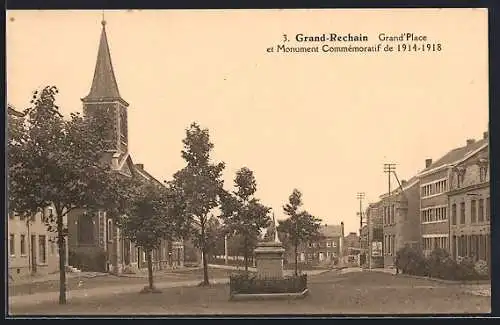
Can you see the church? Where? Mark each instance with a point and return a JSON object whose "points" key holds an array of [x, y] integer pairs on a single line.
{"points": [[94, 242]]}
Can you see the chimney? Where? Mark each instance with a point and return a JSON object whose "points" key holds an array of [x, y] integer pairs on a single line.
{"points": [[470, 141], [140, 166], [403, 182], [428, 163], [485, 135]]}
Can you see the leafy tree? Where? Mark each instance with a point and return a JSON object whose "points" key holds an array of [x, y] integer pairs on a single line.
{"points": [[56, 162], [300, 226], [243, 214], [200, 186], [151, 218]]}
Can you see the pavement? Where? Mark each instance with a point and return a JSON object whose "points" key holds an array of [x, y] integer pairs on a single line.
{"points": [[38, 298], [353, 292]]}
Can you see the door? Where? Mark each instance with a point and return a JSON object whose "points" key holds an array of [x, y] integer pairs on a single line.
{"points": [[33, 253]]}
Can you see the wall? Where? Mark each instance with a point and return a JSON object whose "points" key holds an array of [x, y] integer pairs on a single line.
{"points": [[20, 264]]}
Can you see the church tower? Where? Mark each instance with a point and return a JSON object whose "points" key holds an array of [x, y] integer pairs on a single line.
{"points": [[105, 97]]}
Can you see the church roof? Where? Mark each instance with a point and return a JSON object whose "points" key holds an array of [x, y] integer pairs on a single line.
{"points": [[104, 85]]}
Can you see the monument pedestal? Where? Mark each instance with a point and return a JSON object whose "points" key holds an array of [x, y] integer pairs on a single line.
{"points": [[269, 259]]}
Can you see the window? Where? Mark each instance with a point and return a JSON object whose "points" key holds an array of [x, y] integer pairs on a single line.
{"points": [[309, 245], [473, 211], [487, 214], [85, 229], [23, 245], [328, 244], [462, 213], [334, 244], [42, 249], [52, 247], [314, 245], [12, 245], [483, 172], [480, 214], [454, 214], [110, 231]]}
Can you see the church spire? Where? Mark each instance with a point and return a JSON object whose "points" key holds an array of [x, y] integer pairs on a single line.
{"points": [[104, 86]]}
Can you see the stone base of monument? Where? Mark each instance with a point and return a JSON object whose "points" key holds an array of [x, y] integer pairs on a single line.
{"points": [[268, 282]]}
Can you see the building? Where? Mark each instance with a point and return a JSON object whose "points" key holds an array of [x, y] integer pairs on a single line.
{"points": [[401, 219], [32, 249], [469, 204], [375, 227], [94, 237], [327, 250], [351, 249], [434, 185]]}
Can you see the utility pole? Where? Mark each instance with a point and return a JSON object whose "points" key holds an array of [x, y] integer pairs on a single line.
{"points": [[360, 196], [389, 168], [369, 241]]}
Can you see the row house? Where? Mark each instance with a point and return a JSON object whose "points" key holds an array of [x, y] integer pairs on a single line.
{"points": [[401, 219], [469, 205], [434, 201], [326, 250], [96, 235], [31, 247]]}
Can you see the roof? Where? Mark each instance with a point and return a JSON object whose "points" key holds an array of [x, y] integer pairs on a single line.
{"points": [[456, 154], [331, 230], [409, 184], [12, 111], [104, 85]]}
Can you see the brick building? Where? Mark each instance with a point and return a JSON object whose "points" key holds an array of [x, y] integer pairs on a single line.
{"points": [[351, 249], [401, 219], [96, 235], [469, 204], [327, 250], [434, 185]]}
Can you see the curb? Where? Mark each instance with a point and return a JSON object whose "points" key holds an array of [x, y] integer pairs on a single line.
{"points": [[442, 280], [269, 296]]}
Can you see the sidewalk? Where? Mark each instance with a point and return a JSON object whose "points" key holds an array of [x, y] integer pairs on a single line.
{"points": [[253, 269], [39, 298], [54, 277]]}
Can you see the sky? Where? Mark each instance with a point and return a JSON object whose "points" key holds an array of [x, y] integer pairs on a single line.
{"points": [[324, 123]]}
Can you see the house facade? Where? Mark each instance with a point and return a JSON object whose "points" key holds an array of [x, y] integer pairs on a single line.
{"points": [[401, 219], [95, 236], [434, 186], [375, 227], [469, 206], [327, 250], [31, 248]]}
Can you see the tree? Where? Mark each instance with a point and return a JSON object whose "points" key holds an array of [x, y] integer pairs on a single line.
{"points": [[300, 226], [56, 162], [151, 217], [243, 213], [200, 186]]}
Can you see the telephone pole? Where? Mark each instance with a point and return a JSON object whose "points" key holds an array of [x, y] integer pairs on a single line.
{"points": [[360, 196], [389, 168]]}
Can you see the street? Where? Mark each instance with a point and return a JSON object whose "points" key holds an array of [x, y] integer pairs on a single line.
{"points": [[330, 293]]}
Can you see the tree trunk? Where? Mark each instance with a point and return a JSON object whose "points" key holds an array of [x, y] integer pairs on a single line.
{"points": [[62, 258], [296, 260], [205, 267], [245, 254], [204, 255], [150, 268]]}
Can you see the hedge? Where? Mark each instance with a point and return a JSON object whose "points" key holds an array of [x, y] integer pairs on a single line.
{"points": [[439, 265]]}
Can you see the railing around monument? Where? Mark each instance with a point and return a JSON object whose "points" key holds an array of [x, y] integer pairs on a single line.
{"points": [[250, 284]]}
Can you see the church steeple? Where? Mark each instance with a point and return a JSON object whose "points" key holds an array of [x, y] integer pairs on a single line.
{"points": [[105, 97], [104, 85]]}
